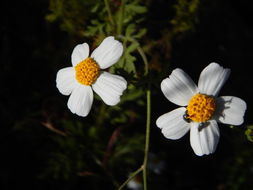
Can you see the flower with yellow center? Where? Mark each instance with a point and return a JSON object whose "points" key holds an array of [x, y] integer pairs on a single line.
{"points": [[200, 109], [87, 74]]}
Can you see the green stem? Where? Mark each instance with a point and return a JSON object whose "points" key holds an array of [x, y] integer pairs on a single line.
{"points": [[101, 115], [145, 161], [109, 12], [146, 150], [140, 51], [148, 119], [121, 17], [131, 177], [144, 58]]}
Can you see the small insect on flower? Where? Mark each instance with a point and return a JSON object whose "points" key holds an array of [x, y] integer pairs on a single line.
{"points": [[186, 117], [200, 109], [86, 75]]}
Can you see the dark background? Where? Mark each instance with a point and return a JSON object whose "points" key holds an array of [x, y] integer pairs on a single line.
{"points": [[33, 50]]}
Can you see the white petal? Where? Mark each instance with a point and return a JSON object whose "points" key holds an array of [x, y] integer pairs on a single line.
{"points": [[179, 87], [204, 137], [230, 110], [110, 87], [212, 78], [80, 100], [108, 52], [172, 124], [65, 80], [80, 53]]}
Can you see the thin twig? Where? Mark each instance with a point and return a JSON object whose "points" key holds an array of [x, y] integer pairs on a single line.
{"points": [[121, 17], [145, 161], [110, 145], [52, 128], [109, 12], [144, 58], [148, 94]]}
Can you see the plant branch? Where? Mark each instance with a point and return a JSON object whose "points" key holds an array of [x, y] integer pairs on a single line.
{"points": [[110, 145], [109, 12], [144, 58], [146, 150], [121, 17], [148, 96], [49, 125], [148, 119]]}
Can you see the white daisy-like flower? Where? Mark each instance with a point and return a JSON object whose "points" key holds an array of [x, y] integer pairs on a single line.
{"points": [[135, 183], [200, 109], [86, 75]]}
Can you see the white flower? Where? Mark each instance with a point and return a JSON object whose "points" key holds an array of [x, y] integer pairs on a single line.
{"points": [[135, 183], [86, 74], [155, 164], [200, 109]]}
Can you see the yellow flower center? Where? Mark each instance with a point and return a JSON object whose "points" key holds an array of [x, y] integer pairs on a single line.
{"points": [[200, 108], [87, 71]]}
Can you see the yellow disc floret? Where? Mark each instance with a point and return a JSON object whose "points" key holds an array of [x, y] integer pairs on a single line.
{"points": [[200, 108], [87, 71]]}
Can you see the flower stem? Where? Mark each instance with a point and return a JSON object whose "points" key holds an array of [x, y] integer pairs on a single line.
{"points": [[146, 150], [140, 51], [101, 115], [148, 119], [121, 17], [109, 12], [148, 94], [144, 58]]}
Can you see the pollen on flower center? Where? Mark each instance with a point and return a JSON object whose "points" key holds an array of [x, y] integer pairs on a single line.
{"points": [[200, 108], [87, 71]]}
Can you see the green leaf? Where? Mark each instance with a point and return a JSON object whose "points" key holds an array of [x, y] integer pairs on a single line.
{"points": [[249, 133], [141, 33], [132, 47], [129, 66], [130, 30], [95, 8], [137, 8], [51, 17], [132, 94]]}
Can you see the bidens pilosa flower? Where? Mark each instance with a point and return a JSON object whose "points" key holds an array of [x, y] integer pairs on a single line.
{"points": [[200, 109], [86, 74]]}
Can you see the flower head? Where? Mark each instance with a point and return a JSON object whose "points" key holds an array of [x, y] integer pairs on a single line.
{"points": [[200, 109], [86, 75], [135, 183]]}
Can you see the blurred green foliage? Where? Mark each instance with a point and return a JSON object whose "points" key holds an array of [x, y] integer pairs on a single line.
{"points": [[185, 15], [249, 133]]}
